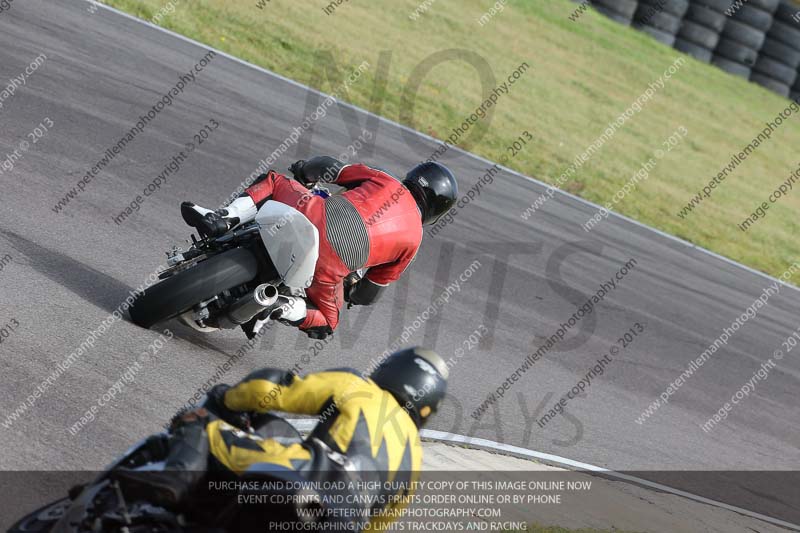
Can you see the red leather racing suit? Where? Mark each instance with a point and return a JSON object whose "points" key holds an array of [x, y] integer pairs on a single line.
{"points": [[375, 224]]}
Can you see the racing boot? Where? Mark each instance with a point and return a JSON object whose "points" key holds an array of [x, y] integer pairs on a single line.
{"points": [[253, 328], [289, 310], [292, 310], [215, 223], [185, 465]]}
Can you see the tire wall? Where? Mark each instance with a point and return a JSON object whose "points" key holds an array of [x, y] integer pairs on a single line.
{"points": [[661, 19], [757, 40], [744, 35], [702, 28], [620, 10], [779, 57]]}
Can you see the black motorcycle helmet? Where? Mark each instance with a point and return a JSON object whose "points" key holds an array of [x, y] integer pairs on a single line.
{"points": [[417, 378], [434, 188]]}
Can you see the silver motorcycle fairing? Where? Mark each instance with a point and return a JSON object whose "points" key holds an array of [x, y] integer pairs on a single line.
{"points": [[292, 242]]}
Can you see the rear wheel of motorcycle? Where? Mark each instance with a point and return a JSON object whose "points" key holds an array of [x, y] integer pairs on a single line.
{"points": [[183, 290]]}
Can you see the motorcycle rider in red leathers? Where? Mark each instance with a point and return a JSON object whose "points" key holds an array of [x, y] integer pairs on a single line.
{"points": [[376, 224]]}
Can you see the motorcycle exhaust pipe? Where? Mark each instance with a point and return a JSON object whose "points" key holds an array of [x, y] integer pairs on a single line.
{"points": [[264, 297]]}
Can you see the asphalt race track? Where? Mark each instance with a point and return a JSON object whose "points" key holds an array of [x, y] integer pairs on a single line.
{"points": [[69, 270]]}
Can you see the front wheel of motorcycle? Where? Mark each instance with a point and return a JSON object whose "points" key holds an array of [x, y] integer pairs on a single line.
{"points": [[182, 291], [43, 519]]}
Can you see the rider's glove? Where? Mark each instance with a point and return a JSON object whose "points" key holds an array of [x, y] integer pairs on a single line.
{"points": [[216, 396], [319, 333], [185, 417], [299, 174], [362, 291], [349, 282], [216, 404]]}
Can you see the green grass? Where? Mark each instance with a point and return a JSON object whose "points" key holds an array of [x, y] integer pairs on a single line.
{"points": [[583, 75]]}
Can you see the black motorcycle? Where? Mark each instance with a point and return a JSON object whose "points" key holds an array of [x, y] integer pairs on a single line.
{"points": [[227, 281], [102, 506]]}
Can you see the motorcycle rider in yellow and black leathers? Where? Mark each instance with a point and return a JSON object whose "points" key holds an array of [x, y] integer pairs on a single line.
{"points": [[368, 431]]}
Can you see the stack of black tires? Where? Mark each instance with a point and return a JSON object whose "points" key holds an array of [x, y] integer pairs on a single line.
{"points": [[661, 19], [776, 66], [701, 28], [620, 10], [756, 39], [743, 36]]}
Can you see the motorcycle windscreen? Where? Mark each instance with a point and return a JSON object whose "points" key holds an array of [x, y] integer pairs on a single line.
{"points": [[292, 242]]}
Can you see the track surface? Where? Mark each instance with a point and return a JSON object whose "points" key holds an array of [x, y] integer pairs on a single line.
{"points": [[71, 269]]}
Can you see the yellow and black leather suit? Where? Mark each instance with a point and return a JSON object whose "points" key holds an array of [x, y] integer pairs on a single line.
{"points": [[358, 420]]}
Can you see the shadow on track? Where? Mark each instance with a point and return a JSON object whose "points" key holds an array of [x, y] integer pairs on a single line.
{"points": [[88, 283]]}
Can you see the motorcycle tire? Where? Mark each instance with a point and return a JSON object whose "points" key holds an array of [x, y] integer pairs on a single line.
{"points": [[706, 16], [754, 17], [676, 8], [613, 15], [625, 8], [696, 51], [732, 67], [719, 6], [180, 292], [698, 34], [772, 84], [41, 520], [744, 34]]}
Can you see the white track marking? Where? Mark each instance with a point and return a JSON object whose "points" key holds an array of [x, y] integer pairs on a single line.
{"points": [[305, 425]]}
